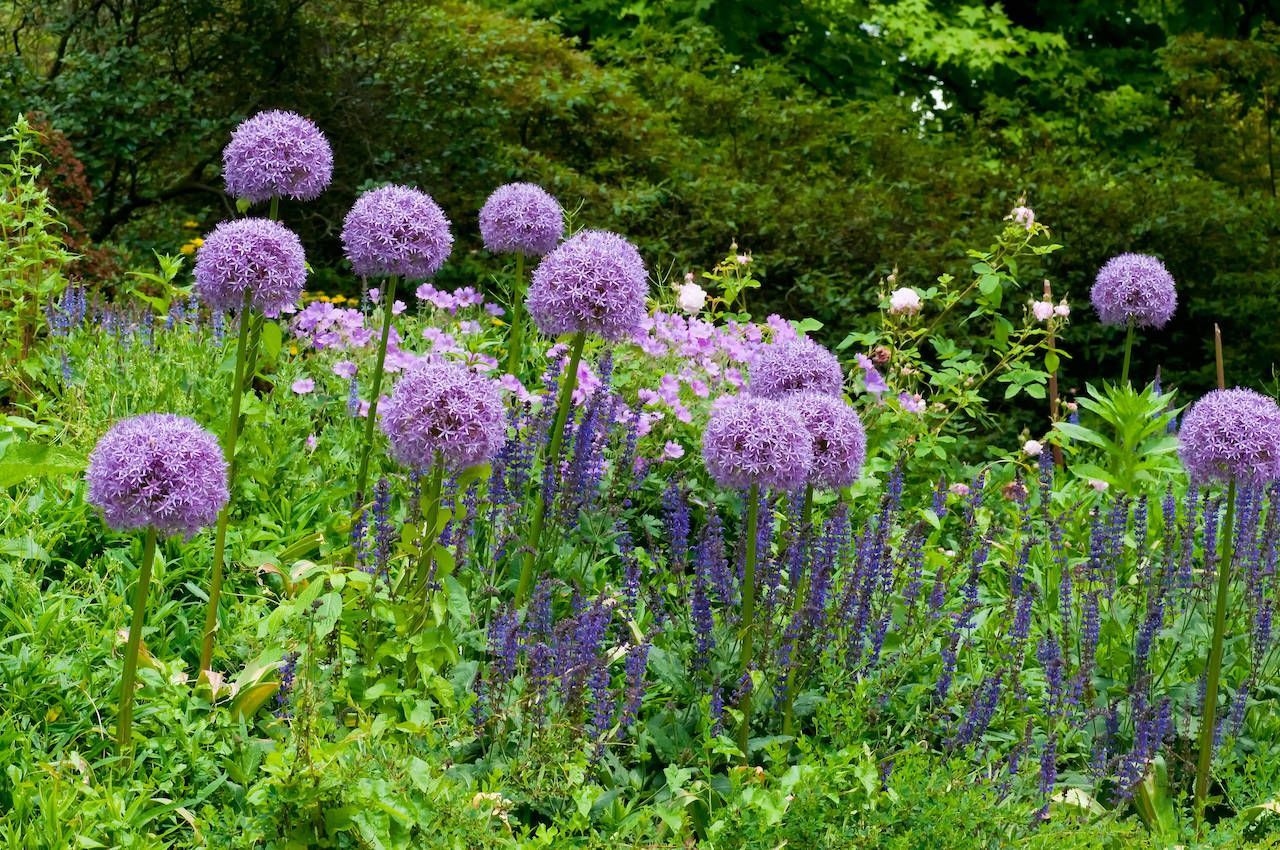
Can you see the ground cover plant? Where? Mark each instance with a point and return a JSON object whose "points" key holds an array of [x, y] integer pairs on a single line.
{"points": [[584, 552]]}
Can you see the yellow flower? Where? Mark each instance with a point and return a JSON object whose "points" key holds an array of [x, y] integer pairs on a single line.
{"points": [[293, 350], [198, 242], [324, 298], [188, 248], [338, 299], [190, 223], [497, 323]]}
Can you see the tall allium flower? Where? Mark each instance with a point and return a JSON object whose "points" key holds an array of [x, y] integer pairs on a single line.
{"points": [[396, 230], [255, 256], [1134, 288], [595, 283], [1231, 434], [757, 441], [521, 218], [157, 471], [448, 409], [277, 153], [839, 441], [795, 365]]}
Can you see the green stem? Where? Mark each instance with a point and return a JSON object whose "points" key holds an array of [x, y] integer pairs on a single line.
{"points": [[1213, 672], [229, 439], [431, 512], [274, 214], [748, 613], [514, 344], [797, 603], [550, 467], [124, 726], [388, 300], [1128, 351]]}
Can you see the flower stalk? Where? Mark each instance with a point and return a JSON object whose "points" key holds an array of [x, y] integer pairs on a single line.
{"points": [[124, 725], [362, 478], [516, 339]]}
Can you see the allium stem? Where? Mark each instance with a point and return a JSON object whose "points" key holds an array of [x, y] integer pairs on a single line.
{"points": [[388, 299], [748, 612], [274, 214], [124, 725], [516, 339], [230, 437], [1213, 668], [429, 538], [551, 467], [1128, 351]]}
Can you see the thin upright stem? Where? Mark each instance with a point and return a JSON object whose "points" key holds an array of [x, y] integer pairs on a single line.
{"points": [[432, 513], [748, 613], [550, 467], [388, 300], [124, 725], [1128, 352], [516, 340], [229, 438], [274, 213], [1213, 669]]}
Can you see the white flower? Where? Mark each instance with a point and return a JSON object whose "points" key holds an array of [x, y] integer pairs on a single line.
{"points": [[1024, 216], [743, 259], [691, 298], [1032, 448], [904, 300], [1063, 309], [1098, 485], [1042, 310]]}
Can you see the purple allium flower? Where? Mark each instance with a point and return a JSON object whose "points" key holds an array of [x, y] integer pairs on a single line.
{"points": [[750, 440], [255, 255], [1231, 434], [521, 218], [396, 230], [1137, 287], [445, 408], [839, 441], [795, 365], [157, 470], [595, 282], [277, 153]]}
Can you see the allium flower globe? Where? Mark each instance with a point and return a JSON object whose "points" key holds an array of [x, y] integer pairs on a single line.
{"points": [[1231, 434], [757, 441], [521, 218], [276, 154], [839, 440], [595, 282], [256, 255], [446, 408], [396, 230], [157, 471], [795, 365], [1134, 287]]}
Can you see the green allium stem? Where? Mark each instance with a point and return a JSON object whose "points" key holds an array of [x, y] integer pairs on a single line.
{"points": [[516, 339], [748, 613], [1128, 351], [550, 467], [229, 439], [124, 725], [274, 214], [429, 537], [1213, 669], [388, 300]]}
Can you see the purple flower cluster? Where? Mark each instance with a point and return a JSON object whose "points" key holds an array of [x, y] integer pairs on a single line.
{"points": [[448, 409], [276, 154], [521, 218], [595, 283], [1232, 434], [396, 230], [157, 471], [254, 255], [1137, 288], [757, 441], [795, 365], [839, 440]]}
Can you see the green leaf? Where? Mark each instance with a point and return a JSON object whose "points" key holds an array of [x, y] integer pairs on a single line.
{"points": [[272, 339]]}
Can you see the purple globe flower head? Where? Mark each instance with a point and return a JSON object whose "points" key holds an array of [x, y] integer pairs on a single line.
{"points": [[594, 282], [1231, 434], [751, 440], [158, 471], [396, 230], [446, 408], [795, 365], [277, 153], [521, 218], [254, 255], [839, 440], [1134, 287]]}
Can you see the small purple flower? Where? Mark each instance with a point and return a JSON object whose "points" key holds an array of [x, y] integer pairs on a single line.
{"points": [[1231, 434], [839, 441], [396, 230], [345, 369], [302, 386], [1137, 288], [254, 255], [160, 471], [521, 218], [277, 153], [757, 441], [445, 408], [795, 365], [595, 282]]}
